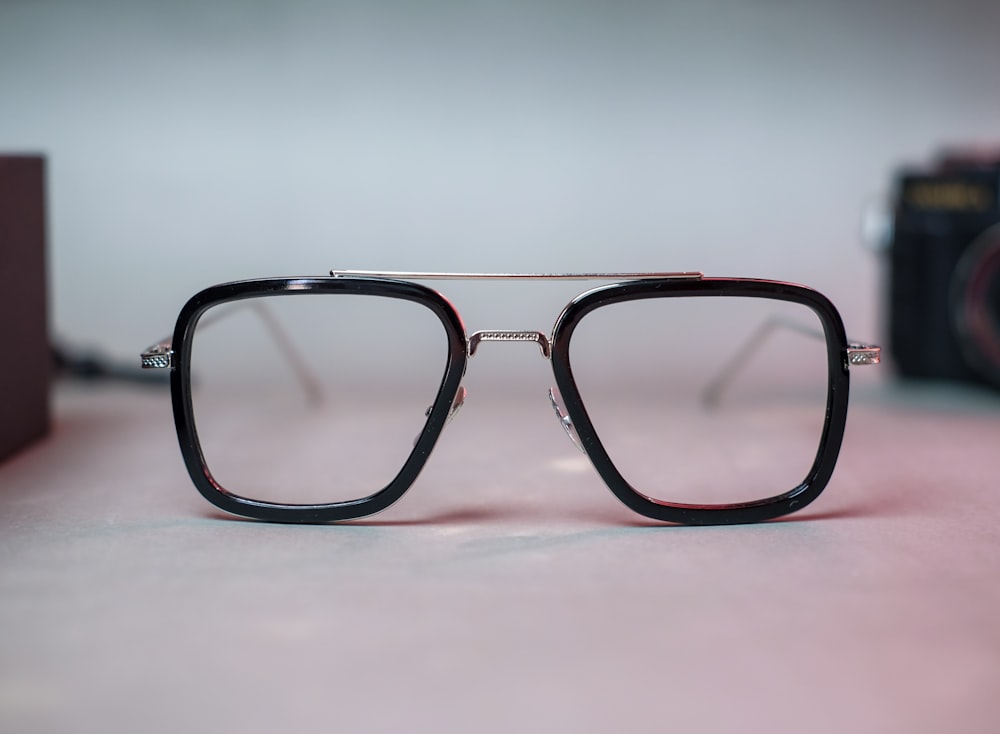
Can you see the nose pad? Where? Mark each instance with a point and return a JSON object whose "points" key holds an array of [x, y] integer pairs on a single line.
{"points": [[564, 420], [456, 405]]}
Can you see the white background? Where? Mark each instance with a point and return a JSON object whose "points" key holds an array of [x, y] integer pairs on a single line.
{"points": [[192, 143]]}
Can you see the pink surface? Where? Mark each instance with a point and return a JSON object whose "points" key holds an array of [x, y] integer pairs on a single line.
{"points": [[508, 590]]}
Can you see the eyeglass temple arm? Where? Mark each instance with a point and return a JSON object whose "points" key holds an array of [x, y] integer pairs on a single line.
{"points": [[161, 354], [858, 354]]}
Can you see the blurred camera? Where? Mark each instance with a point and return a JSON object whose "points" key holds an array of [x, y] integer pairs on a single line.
{"points": [[944, 270]]}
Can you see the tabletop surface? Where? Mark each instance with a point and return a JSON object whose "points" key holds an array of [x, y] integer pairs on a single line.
{"points": [[508, 590]]}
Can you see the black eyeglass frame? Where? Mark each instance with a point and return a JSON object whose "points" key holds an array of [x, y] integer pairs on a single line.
{"points": [[838, 357], [181, 393], [831, 438]]}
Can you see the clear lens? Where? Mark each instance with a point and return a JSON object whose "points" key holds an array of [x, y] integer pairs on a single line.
{"points": [[313, 398], [705, 400]]}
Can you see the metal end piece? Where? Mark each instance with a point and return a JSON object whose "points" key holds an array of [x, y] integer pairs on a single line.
{"points": [[403, 275], [158, 357], [863, 354], [510, 336]]}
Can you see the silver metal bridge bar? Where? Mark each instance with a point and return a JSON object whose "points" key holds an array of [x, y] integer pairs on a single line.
{"points": [[401, 275]]}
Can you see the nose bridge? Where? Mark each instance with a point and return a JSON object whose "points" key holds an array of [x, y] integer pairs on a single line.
{"points": [[510, 336]]}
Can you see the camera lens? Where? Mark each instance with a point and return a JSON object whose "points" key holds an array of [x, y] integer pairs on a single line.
{"points": [[976, 301]]}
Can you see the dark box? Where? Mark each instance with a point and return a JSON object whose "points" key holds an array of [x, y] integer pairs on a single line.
{"points": [[25, 356]]}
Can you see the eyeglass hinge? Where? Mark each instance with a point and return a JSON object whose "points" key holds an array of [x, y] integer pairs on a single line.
{"points": [[158, 357], [863, 354]]}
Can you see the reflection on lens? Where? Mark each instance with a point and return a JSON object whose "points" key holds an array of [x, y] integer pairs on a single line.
{"points": [[313, 398], [705, 400]]}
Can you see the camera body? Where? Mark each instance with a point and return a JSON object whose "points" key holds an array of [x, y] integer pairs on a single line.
{"points": [[944, 271]]}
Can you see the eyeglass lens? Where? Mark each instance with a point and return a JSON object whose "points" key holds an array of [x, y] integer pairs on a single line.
{"points": [[313, 398], [705, 400]]}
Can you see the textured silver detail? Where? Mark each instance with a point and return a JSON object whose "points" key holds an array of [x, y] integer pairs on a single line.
{"points": [[158, 357], [510, 336], [863, 354], [403, 275]]}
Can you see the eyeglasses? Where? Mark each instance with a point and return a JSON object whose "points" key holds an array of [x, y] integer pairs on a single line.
{"points": [[697, 400]]}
